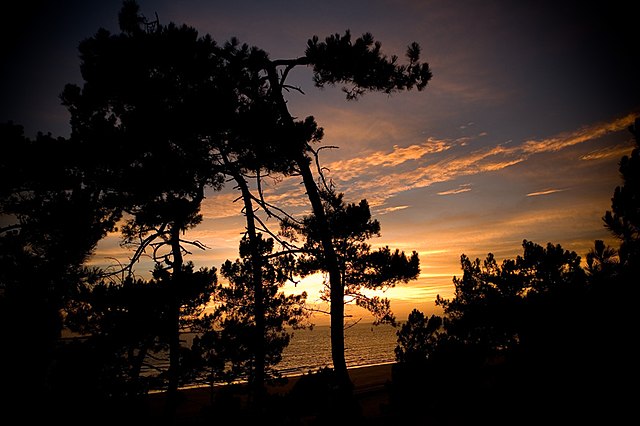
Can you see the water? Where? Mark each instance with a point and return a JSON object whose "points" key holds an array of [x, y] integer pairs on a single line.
{"points": [[310, 349], [365, 344]]}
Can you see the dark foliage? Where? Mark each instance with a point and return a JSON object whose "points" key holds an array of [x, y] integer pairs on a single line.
{"points": [[360, 266], [162, 115], [530, 339], [623, 220], [362, 65], [229, 336], [52, 222]]}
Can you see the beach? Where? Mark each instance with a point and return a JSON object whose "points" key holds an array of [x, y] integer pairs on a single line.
{"points": [[369, 389]]}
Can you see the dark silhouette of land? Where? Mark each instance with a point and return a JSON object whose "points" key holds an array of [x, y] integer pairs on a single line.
{"points": [[300, 404]]}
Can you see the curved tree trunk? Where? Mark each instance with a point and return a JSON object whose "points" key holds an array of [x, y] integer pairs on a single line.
{"points": [[256, 265], [174, 320], [175, 303], [335, 278]]}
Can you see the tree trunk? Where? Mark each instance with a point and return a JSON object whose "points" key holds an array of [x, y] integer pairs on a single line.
{"points": [[335, 278], [174, 321], [259, 312]]}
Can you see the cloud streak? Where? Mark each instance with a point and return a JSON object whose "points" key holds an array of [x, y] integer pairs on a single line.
{"points": [[354, 167], [459, 190], [387, 210], [614, 151], [387, 174], [545, 192]]}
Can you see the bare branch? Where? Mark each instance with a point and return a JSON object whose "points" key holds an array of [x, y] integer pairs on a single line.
{"points": [[321, 311], [285, 252], [352, 324], [288, 87], [144, 243], [268, 207], [265, 228], [321, 170]]}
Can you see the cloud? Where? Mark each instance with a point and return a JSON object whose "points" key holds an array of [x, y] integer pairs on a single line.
{"points": [[459, 190], [614, 151], [386, 210], [582, 135], [221, 205], [545, 192], [355, 167], [387, 174], [382, 174]]}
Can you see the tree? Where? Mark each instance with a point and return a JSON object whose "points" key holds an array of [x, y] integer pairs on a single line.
{"points": [[246, 155], [235, 327], [523, 329], [418, 337], [170, 103], [602, 263], [361, 66], [500, 307], [129, 319], [121, 352], [147, 100], [614, 276], [623, 220], [52, 221], [360, 267]]}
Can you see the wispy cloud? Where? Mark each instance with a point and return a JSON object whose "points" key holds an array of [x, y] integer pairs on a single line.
{"points": [[459, 190], [614, 151], [582, 135], [221, 205], [386, 210], [384, 174], [354, 167], [544, 192]]}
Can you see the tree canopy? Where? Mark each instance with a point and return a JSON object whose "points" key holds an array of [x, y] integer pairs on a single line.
{"points": [[536, 328], [163, 117]]}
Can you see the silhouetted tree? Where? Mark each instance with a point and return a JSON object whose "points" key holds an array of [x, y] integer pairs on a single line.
{"points": [[246, 156], [623, 220], [182, 111], [232, 330], [147, 100], [527, 328], [51, 222], [360, 267], [602, 263], [615, 272], [361, 66], [500, 306], [417, 337], [158, 103], [129, 320]]}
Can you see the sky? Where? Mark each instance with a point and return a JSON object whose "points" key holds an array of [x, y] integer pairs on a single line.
{"points": [[517, 136]]}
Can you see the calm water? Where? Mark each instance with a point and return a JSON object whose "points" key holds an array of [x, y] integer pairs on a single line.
{"points": [[309, 350], [365, 344]]}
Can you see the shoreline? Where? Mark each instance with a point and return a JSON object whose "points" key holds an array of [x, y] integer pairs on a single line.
{"points": [[368, 380], [288, 377]]}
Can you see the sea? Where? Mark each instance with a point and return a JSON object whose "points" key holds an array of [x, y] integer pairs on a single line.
{"points": [[365, 345], [310, 349]]}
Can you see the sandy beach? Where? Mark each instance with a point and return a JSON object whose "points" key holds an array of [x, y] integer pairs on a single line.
{"points": [[369, 383]]}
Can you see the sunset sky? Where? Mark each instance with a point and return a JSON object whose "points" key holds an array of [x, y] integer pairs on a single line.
{"points": [[517, 136]]}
